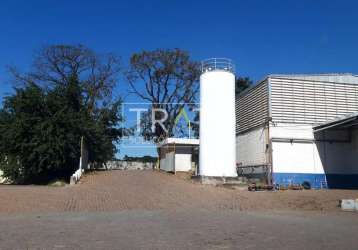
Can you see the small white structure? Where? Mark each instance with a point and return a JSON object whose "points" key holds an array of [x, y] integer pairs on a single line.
{"points": [[300, 128], [2, 179], [217, 119], [178, 154]]}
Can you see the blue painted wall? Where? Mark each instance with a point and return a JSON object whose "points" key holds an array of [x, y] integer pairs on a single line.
{"points": [[318, 181]]}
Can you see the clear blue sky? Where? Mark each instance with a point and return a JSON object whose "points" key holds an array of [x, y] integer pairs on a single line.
{"points": [[262, 37]]}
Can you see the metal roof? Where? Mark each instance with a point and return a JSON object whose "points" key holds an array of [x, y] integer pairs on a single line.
{"points": [[331, 77], [181, 141], [341, 122]]}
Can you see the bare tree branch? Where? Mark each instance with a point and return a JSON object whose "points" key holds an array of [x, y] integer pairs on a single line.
{"points": [[55, 65], [164, 77]]}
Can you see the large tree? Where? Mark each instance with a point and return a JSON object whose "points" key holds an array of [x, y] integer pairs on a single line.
{"points": [[167, 79], [56, 65], [66, 97]]}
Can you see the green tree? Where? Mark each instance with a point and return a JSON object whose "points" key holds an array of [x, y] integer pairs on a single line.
{"points": [[242, 83], [41, 125]]}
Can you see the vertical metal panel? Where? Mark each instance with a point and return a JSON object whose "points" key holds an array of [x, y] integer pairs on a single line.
{"points": [[311, 102], [252, 107]]}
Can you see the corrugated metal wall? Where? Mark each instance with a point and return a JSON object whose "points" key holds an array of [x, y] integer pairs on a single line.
{"points": [[311, 102], [252, 107]]}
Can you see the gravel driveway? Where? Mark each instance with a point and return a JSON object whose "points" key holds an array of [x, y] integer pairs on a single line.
{"points": [[154, 210]]}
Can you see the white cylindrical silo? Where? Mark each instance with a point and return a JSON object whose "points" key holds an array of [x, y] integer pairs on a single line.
{"points": [[217, 119]]}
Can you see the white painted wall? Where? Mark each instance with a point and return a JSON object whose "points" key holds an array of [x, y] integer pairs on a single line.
{"points": [[289, 130], [251, 148], [305, 132], [315, 156], [296, 157], [183, 162], [176, 162]]}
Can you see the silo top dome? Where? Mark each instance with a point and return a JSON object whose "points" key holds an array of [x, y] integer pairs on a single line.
{"points": [[217, 64]]}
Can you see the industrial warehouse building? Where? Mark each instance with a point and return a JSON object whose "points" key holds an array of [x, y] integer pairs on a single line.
{"points": [[292, 129]]}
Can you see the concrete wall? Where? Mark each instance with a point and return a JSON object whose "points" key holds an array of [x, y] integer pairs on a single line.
{"points": [[251, 147], [130, 165]]}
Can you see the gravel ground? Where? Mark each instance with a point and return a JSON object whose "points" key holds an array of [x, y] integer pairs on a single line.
{"points": [[155, 210], [147, 190]]}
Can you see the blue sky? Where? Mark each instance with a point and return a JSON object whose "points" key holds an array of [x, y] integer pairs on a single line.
{"points": [[262, 37]]}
